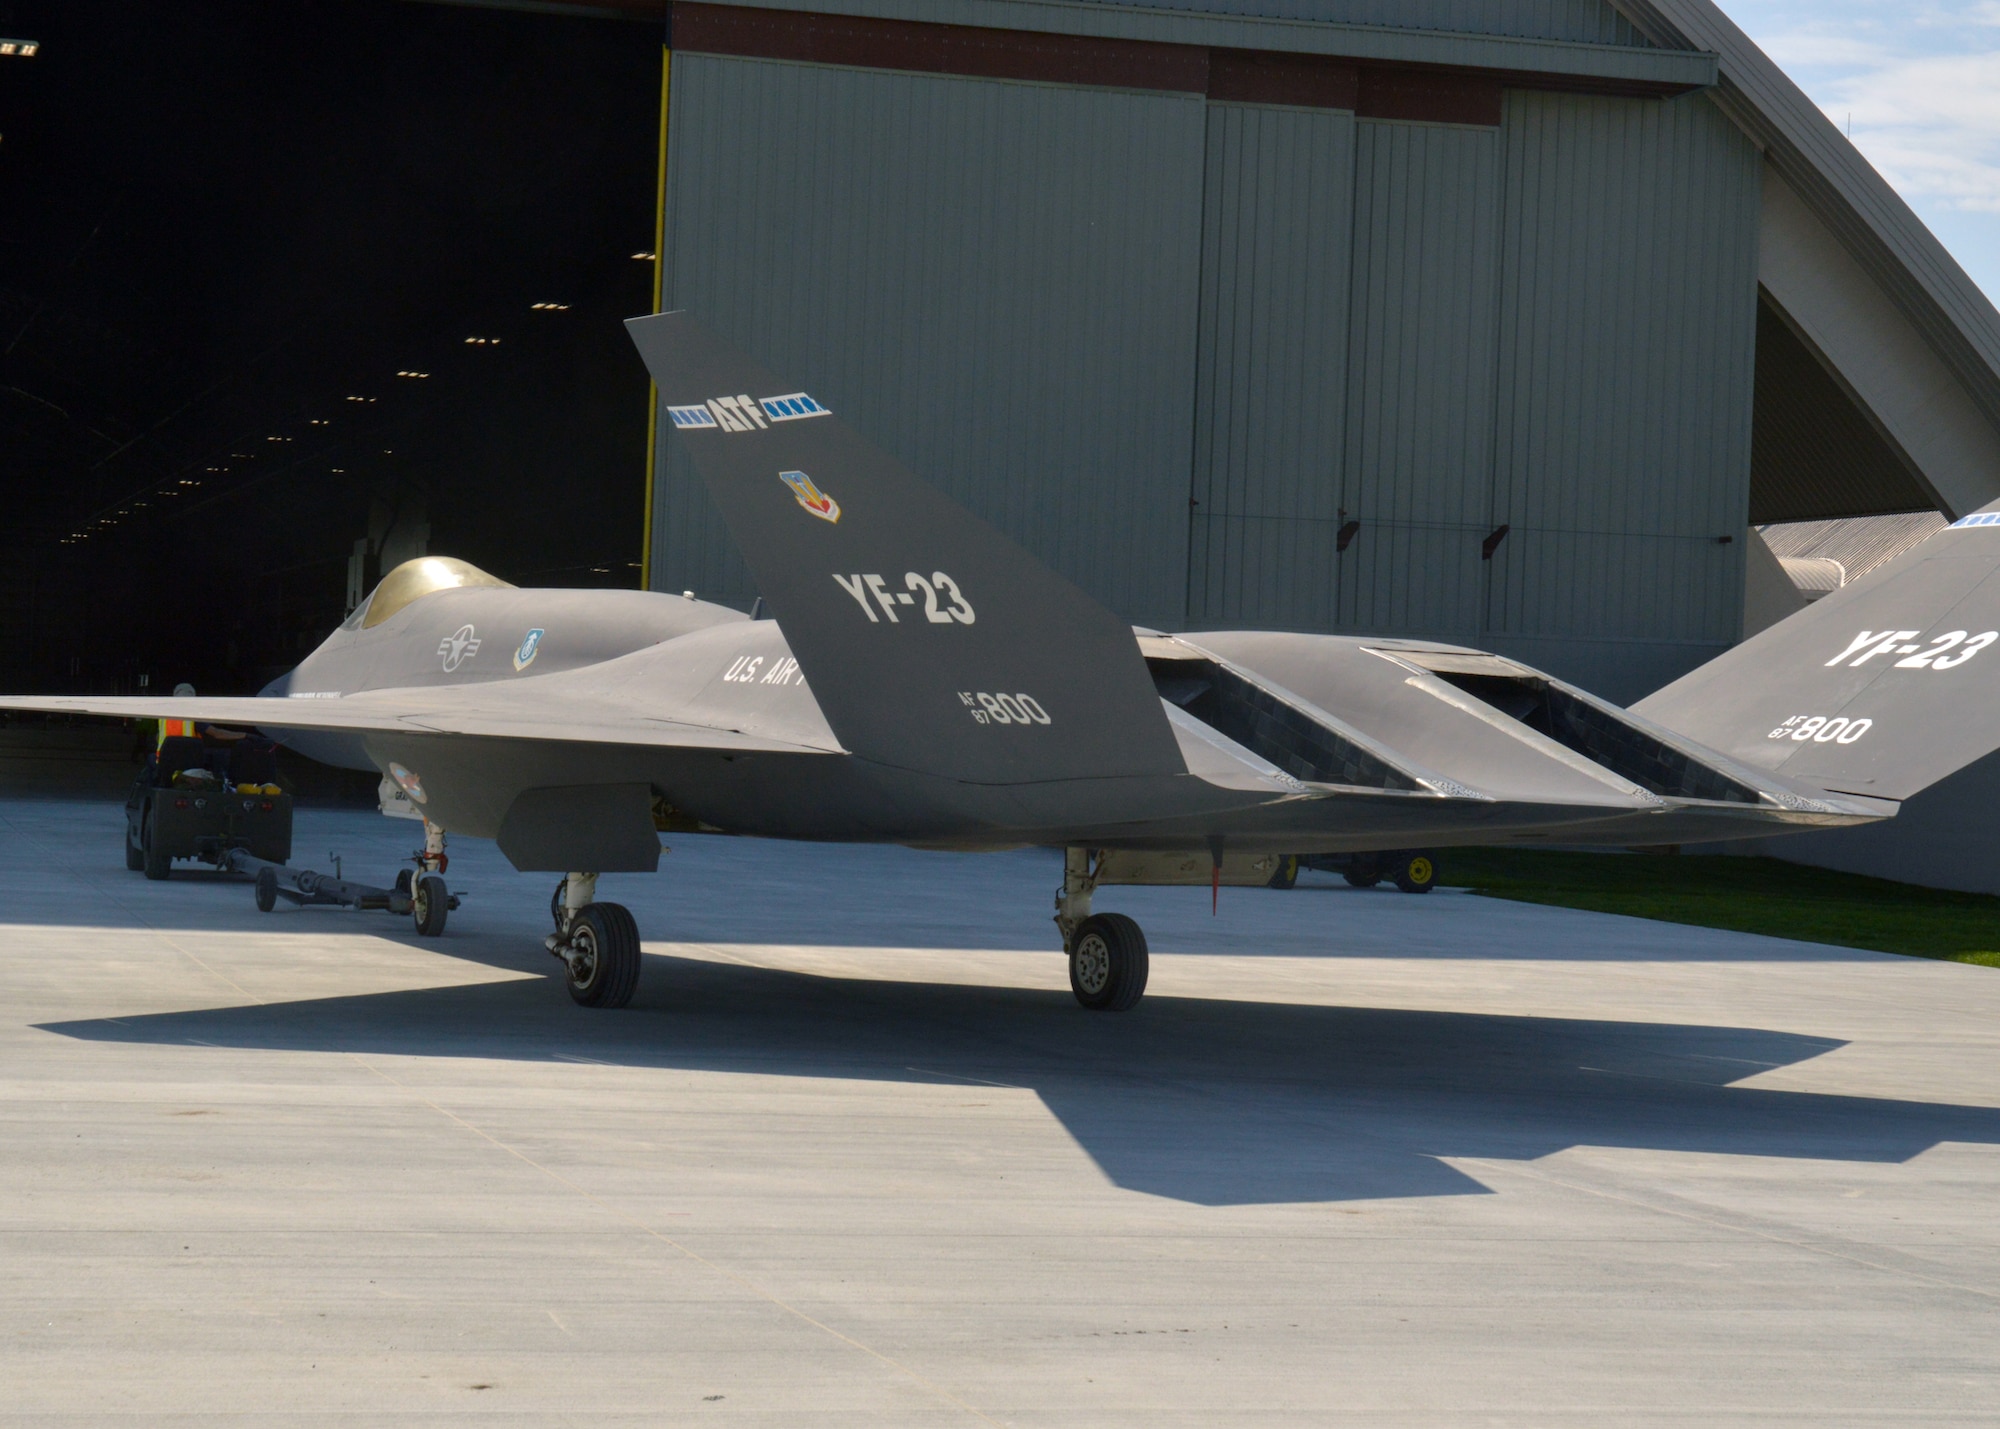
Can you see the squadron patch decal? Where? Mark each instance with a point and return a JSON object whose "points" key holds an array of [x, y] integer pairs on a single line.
{"points": [[531, 644], [810, 496]]}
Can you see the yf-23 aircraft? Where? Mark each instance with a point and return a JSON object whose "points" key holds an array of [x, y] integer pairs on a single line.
{"points": [[925, 681]]}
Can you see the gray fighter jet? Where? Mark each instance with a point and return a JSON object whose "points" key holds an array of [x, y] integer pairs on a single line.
{"points": [[925, 681]]}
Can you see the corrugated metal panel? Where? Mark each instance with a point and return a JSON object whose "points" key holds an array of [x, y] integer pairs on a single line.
{"points": [[1813, 454], [1585, 21], [1483, 44], [1421, 377], [1628, 320], [995, 281], [1857, 543], [1271, 381]]}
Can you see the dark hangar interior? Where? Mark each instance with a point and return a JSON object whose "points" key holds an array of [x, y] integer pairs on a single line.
{"points": [[1541, 333]]}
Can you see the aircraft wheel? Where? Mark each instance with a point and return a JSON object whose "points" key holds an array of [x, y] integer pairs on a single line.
{"points": [[1417, 873], [406, 880], [156, 862], [430, 900], [135, 857], [603, 959], [267, 890], [1107, 963]]}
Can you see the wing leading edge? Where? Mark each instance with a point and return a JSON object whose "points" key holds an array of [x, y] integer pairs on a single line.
{"points": [[470, 710]]}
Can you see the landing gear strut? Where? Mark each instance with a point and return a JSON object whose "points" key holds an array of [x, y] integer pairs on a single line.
{"points": [[1107, 951], [598, 943], [430, 900]]}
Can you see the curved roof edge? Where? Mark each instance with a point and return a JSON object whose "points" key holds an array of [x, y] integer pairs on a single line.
{"points": [[1843, 189]]}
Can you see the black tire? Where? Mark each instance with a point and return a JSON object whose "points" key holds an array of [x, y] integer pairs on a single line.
{"points": [[135, 857], [1417, 873], [406, 880], [1362, 875], [430, 900], [557, 899], [267, 890], [156, 862], [610, 974], [1107, 963], [1287, 875]]}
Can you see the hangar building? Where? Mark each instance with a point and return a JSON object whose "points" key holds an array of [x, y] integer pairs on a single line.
{"points": [[1501, 322]]}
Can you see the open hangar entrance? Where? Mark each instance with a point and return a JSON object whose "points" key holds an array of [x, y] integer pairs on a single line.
{"points": [[1355, 321]]}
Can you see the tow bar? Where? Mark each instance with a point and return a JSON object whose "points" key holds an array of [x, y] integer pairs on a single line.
{"points": [[424, 897]]}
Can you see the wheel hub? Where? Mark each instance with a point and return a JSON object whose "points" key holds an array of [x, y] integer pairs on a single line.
{"points": [[1093, 963], [579, 955]]}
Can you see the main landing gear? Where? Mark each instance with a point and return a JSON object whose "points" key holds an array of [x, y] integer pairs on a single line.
{"points": [[598, 943], [1107, 951]]}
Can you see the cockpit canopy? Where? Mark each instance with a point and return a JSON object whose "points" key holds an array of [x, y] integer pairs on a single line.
{"points": [[414, 580]]}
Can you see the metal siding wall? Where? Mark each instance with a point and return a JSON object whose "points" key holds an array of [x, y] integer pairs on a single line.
{"points": [[1585, 21], [1270, 389], [1421, 377], [1628, 320], [994, 281]]}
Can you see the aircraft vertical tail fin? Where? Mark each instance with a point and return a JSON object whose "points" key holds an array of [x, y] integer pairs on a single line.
{"points": [[1880, 688], [931, 641]]}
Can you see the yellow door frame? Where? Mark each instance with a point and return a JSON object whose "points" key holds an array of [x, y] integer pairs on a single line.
{"points": [[659, 258]]}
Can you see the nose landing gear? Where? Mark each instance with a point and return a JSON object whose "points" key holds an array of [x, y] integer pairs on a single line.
{"points": [[598, 943]]}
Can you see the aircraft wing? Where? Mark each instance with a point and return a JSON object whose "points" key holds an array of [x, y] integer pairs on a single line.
{"points": [[464, 710]]}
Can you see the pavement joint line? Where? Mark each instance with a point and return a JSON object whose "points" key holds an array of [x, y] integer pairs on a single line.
{"points": [[1740, 1225], [960, 1077], [755, 1289]]}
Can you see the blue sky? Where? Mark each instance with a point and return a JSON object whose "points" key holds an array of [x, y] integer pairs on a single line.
{"points": [[1919, 83]]}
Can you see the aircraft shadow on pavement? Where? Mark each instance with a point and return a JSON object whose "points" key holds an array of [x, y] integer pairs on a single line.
{"points": [[1207, 1101]]}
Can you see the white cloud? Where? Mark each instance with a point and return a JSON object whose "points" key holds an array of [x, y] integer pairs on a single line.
{"points": [[1930, 124], [1919, 81]]}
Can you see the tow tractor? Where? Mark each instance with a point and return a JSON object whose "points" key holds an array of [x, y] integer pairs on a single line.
{"points": [[238, 819], [1411, 870], [183, 806]]}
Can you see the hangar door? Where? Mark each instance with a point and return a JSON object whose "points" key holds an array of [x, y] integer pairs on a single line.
{"points": [[1344, 406], [994, 279]]}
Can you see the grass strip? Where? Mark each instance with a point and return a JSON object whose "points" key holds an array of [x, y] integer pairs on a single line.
{"points": [[1747, 895]]}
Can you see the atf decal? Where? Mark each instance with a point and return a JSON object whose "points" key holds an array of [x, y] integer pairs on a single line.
{"points": [[744, 414], [530, 644], [458, 647], [408, 782], [810, 496], [791, 407]]}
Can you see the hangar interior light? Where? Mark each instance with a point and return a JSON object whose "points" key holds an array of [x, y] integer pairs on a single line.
{"points": [[23, 49]]}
